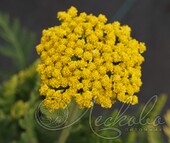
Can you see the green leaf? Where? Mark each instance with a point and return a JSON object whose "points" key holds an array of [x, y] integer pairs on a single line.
{"points": [[17, 42], [154, 134], [5, 74], [6, 51], [160, 103], [167, 127]]}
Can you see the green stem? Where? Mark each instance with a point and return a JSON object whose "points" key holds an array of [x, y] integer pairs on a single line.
{"points": [[66, 132], [120, 14]]}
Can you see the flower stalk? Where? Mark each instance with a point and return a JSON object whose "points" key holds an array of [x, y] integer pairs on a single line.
{"points": [[66, 132]]}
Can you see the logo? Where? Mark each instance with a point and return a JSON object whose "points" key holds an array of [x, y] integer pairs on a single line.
{"points": [[51, 120]]}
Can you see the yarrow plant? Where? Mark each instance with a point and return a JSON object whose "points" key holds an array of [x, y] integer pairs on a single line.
{"points": [[89, 60]]}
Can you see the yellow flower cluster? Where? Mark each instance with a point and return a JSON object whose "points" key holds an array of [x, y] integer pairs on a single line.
{"points": [[89, 60]]}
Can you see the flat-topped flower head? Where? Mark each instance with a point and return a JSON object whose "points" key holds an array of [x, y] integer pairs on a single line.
{"points": [[89, 60]]}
